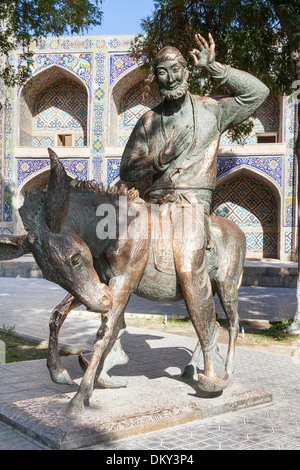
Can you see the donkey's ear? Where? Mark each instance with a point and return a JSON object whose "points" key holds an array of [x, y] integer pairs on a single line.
{"points": [[58, 197], [12, 246]]}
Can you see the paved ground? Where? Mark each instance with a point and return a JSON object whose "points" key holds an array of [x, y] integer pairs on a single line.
{"points": [[27, 303]]}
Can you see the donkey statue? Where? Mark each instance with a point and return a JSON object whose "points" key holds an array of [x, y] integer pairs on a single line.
{"points": [[61, 222]]}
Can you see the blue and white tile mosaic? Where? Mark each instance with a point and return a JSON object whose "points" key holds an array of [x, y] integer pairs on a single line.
{"points": [[290, 166], [271, 166], [8, 158], [113, 168], [98, 117], [42, 141], [110, 73], [288, 242], [78, 63], [119, 63], [27, 168], [253, 207]]}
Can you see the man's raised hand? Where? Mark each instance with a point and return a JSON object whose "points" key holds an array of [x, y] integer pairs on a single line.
{"points": [[205, 55]]}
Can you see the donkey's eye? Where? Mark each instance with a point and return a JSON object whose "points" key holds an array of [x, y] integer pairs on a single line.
{"points": [[75, 259]]}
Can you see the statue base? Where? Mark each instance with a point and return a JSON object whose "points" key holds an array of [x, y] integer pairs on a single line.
{"points": [[145, 405]]}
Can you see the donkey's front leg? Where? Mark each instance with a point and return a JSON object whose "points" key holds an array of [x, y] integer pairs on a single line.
{"points": [[114, 355], [58, 316], [121, 290]]}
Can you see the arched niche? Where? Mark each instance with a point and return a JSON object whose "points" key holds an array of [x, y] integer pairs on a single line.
{"points": [[253, 203], [53, 110], [130, 97]]}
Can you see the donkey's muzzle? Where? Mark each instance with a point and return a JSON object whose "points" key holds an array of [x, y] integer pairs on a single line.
{"points": [[105, 300]]}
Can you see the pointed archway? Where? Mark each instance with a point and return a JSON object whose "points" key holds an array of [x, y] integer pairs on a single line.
{"points": [[53, 110], [253, 204]]}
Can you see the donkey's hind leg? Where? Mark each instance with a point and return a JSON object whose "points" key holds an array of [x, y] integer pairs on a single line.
{"points": [[58, 316]]}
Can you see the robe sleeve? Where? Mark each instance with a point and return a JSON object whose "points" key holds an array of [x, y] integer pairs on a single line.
{"points": [[248, 93], [138, 162]]}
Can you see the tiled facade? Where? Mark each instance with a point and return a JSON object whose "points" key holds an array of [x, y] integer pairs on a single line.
{"points": [[90, 90], [253, 207]]}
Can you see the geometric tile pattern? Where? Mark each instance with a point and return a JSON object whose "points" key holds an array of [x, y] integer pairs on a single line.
{"points": [[26, 168], [290, 165], [6, 231], [51, 100], [247, 202], [98, 119], [261, 245], [8, 162], [122, 140], [271, 166], [126, 82], [62, 106], [267, 115], [78, 63], [288, 242], [42, 141], [253, 207], [118, 64], [290, 215], [113, 167], [80, 141], [135, 103], [97, 169]]}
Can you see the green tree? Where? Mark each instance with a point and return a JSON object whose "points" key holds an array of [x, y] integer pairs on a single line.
{"points": [[261, 37], [23, 20]]}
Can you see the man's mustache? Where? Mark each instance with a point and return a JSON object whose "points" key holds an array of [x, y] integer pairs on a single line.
{"points": [[174, 94]]}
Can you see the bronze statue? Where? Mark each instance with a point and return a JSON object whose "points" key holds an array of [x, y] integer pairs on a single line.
{"points": [[176, 144], [103, 273]]}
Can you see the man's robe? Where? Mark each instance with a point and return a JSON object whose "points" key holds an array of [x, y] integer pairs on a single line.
{"points": [[194, 171]]}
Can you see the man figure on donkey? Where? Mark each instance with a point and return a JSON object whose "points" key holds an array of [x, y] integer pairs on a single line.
{"points": [[176, 144]]}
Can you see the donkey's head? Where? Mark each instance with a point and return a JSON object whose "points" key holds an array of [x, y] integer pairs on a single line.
{"points": [[62, 255]]}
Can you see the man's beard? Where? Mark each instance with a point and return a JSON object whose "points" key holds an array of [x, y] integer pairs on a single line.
{"points": [[175, 94]]}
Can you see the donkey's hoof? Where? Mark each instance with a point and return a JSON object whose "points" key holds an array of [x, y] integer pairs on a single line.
{"points": [[61, 377], [213, 384], [76, 406], [105, 381]]}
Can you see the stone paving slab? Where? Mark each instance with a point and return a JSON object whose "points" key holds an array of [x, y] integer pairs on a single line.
{"points": [[27, 303], [271, 426], [144, 405]]}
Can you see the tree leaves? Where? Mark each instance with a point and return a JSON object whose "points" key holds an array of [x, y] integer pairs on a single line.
{"points": [[23, 20], [248, 35]]}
